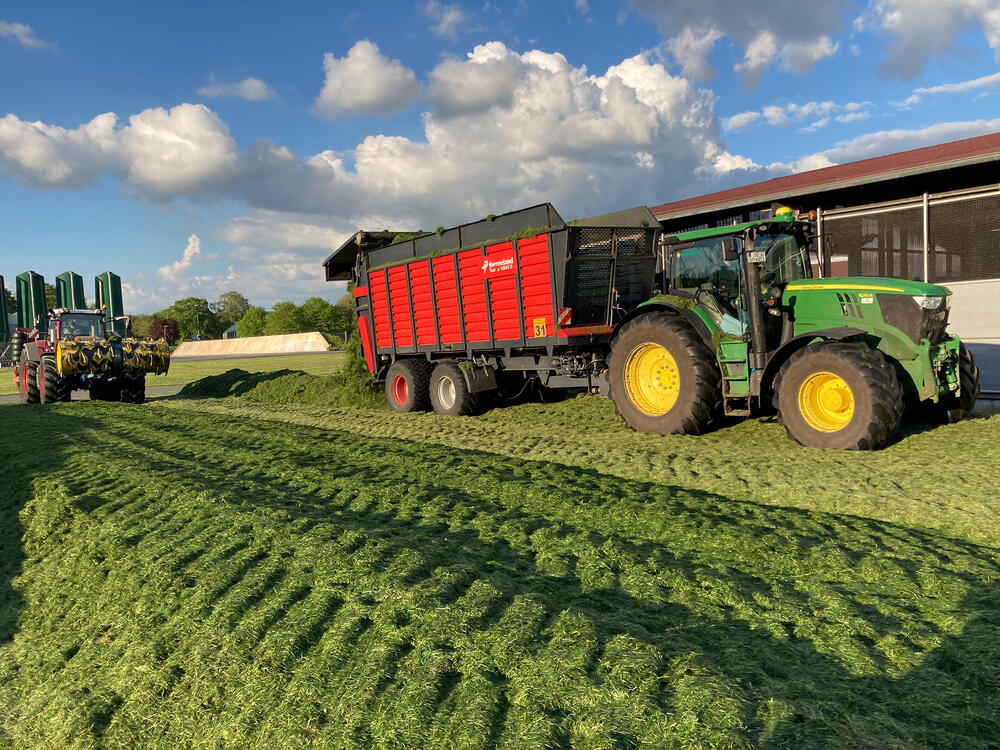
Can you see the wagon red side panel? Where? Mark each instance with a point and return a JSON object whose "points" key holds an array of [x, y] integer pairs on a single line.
{"points": [[399, 304], [474, 310], [380, 309], [536, 286], [446, 294], [500, 271], [499, 295], [423, 302]]}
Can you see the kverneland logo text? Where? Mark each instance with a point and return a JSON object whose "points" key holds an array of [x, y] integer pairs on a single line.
{"points": [[503, 264]]}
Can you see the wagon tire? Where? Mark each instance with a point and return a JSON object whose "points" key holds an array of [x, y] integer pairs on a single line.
{"points": [[449, 391], [407, 385]]}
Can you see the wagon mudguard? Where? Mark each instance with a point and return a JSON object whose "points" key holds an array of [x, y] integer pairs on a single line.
{"points": [[795, 343]]}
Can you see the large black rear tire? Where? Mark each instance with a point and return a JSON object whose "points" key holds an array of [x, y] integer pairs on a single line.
{"points": [[407, 385], [55, 387], [29, 381], [450, 395], [663, 377], [833, 394]]}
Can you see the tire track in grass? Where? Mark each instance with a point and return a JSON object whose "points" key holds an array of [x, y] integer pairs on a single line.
{"points": [[583, 432], [570, 608]]}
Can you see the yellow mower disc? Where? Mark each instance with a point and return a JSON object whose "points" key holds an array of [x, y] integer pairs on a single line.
{"points": [[83, 357], [145, 356]]}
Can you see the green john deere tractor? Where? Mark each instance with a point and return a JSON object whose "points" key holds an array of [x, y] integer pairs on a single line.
{"points": [[741, 326]]}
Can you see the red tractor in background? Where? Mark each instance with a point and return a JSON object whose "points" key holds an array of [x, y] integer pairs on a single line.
{"points": [[76, 353]]}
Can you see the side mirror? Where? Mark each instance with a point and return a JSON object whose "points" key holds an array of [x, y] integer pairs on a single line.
{"points": [[729, 249]]}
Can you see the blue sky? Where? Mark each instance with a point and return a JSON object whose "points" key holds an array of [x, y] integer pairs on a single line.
{"points": [[195, 148]]}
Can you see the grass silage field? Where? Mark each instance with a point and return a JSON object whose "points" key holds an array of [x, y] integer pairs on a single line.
{"points": [[184, 371], [266, 561]]}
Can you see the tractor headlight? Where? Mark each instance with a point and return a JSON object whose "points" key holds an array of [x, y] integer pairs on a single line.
{"points": [[929, 303]]}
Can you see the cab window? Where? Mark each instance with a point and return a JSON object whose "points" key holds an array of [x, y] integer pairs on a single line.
{"points": [[786, 258], [701, 271], [81, 325]]}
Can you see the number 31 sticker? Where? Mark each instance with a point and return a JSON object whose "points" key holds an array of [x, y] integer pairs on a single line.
{"points": [[539, 324]]}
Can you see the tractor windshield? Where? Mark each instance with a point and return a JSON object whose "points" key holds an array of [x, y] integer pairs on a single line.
{"points": [[72, 326], [787, 257]]}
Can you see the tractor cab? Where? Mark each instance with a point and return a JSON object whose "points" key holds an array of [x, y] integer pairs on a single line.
{"points": [[76, 325], [716, 268]]}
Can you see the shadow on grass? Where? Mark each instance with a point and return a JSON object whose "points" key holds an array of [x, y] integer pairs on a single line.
{"points": [[34, 444], [229, 383], [821, 629]]}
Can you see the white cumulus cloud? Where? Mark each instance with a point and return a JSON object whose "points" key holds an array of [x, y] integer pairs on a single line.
{"points": [[768, 32], [885, 142], [691, 48], [186, 149], [161, 153], [192, 254], [24, 35], [741, 121], [921, 29], [488, 77], [365, 82], [547, 131], [962, 87], [448, 19], [251, 89], [41, 155], [792, 113]]}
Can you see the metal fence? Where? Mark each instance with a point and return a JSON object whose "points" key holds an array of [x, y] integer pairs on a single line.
{"points": [[6, 353], [940, 237]]}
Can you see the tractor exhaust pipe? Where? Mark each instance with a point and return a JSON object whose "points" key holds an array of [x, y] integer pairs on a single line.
{"points": [[758, 343]]}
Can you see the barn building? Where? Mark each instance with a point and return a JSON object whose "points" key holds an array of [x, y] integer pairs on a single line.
{"points": [[931, 214]]}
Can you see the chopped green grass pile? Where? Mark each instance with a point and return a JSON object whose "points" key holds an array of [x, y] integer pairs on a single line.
{"points": [[235, 573], [351, 385], [186, 371]]}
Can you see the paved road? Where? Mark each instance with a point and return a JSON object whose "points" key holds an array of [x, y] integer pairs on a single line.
{"points": [[153, 391]]}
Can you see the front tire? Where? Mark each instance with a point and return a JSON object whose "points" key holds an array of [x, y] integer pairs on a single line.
{"points": [[133, 389], [663, 377], [54, 387], [407, 385], [449, 392], [839, 395], [951, 408], [102, 389]]}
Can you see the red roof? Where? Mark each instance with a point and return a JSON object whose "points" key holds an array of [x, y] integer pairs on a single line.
{"points": [[929, 158]]}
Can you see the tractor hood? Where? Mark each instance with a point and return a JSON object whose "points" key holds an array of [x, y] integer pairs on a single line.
{"points": [[878, 284]]}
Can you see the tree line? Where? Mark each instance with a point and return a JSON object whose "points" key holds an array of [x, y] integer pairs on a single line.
{"points": [[193, 317], [196, 317]]}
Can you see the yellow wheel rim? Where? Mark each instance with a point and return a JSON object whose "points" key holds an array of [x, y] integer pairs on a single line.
{"points": [[651, 379], [826, 402]]}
